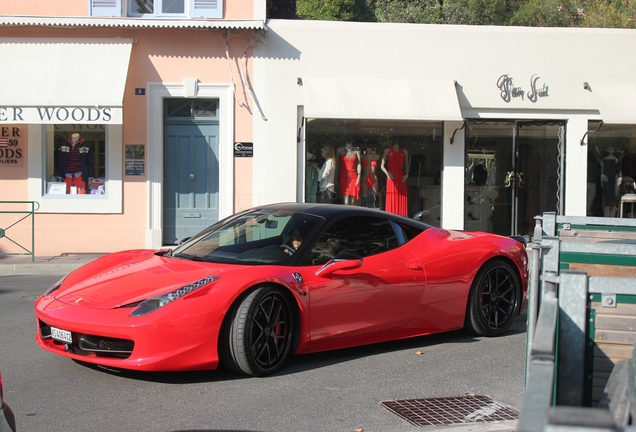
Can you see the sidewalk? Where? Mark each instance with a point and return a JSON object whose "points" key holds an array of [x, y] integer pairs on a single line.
{"points": [[12, 265]]}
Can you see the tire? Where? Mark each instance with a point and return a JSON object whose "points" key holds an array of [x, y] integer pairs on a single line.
{"points": [[258, 336], [494, 300]]}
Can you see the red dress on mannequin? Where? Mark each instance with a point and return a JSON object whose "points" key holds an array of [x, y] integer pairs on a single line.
{"points": [[396, 195], [349, 176]]}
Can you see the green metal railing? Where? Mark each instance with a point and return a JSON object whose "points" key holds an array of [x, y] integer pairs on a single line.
{"points": [[4, 230]]}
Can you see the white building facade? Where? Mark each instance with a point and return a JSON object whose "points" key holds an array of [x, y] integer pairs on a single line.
{"points": [[500, 124]]}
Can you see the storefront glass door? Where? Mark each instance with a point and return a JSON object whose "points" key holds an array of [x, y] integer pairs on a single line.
{"points": [[513, 173]]}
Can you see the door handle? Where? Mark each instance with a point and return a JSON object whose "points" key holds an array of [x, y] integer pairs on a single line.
{"points": [[191, 176], [415, 266], [509, 177]]}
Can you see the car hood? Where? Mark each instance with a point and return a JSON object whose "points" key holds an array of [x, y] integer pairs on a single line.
{"points": [[127, 277]]}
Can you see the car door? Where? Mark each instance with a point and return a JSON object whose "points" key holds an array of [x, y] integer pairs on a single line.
{"points": [[381, 293]]}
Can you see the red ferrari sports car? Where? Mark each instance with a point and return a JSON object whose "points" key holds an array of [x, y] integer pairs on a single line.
{"points": [[280, 279]]}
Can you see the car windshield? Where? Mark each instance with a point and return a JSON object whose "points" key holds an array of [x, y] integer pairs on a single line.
{"points": [[263, 236]]}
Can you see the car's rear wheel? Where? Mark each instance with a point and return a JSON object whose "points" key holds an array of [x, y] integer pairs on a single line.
{"points": [[259, 334], [494, 300]]}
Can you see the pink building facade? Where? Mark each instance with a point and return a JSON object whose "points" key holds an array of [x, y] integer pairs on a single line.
{"points": [[124, 124]]}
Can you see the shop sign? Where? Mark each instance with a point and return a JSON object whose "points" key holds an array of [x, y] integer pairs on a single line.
{"points": [[60, 115], [509, 91], [11, 146], [243, 149]]}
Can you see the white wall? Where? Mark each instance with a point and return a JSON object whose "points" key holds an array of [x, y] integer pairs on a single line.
{"points": [[474, 56]]}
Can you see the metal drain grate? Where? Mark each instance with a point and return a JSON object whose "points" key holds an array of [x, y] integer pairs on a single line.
{"points": [[450, 410]]}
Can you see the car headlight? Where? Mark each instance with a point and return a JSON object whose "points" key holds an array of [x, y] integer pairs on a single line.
{"points": [[56, 286], [154, 303]]}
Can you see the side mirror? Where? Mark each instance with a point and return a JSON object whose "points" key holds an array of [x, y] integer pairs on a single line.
{"points": [[340, 262]]}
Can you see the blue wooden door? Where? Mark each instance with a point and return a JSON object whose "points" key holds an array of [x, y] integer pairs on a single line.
{"points": [[191, 179]]}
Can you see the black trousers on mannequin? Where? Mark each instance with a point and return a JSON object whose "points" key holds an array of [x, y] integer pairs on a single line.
{"points": [[325, 196]]}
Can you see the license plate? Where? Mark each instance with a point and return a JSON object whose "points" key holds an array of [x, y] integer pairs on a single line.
{"points": [[61, 335]]}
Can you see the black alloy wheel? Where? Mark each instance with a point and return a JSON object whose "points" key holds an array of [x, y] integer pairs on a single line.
{"points": [[259, 337], [494, 300]]}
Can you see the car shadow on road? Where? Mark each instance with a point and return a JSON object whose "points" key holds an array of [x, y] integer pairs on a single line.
{"points": [[215, 430], [305, 362]]}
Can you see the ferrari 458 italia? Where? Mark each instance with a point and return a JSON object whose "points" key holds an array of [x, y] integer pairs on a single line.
{"points": [[271, 281]]}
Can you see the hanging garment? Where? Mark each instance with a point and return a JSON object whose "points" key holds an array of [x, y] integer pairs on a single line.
{"points": [[311, 183], [610, 170], [349, 176], [396, 191], [369, 169]]}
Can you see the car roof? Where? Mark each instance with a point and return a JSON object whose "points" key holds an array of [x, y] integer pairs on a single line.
{"points": [[331, 211]]}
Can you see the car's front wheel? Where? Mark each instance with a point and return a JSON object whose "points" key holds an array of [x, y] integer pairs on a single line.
{"points": [[258, 337], [494, 300]]}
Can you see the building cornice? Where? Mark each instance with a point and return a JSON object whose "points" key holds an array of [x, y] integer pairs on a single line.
{"points": [[132, 23]]}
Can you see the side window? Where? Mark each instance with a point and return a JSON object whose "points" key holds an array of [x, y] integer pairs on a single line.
{"points": [[406, 232], [361, 236]]}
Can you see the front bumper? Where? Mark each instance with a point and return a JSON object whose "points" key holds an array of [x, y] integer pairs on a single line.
{"points": [[176, 339]]}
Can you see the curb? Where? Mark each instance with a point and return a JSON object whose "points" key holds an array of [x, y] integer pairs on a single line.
{"points": [[34, 268], [56, 265]]}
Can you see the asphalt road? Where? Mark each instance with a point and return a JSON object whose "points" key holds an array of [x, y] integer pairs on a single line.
{"points": [[333, 391]]}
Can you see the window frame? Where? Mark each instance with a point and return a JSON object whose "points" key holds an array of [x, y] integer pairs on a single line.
{"points": [[192, 9], [110, 202]]}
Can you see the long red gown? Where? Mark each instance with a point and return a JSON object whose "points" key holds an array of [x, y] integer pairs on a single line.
{"points": [[349, 176], [396, 191]]}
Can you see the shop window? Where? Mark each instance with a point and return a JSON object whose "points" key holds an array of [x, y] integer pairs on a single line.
{"points": [[372, 141], [75, 160], [157, 8], [611, 170]]}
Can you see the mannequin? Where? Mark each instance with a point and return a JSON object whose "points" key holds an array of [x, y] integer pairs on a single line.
{"points": [[395, 162], [76, 164], [609, 176], [349, 172], [326, 175], [369, 177]]}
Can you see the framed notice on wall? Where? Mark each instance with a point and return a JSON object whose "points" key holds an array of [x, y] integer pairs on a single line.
{"points": [[135, 167], [243, 149], [135, 163], [135, 151]]}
